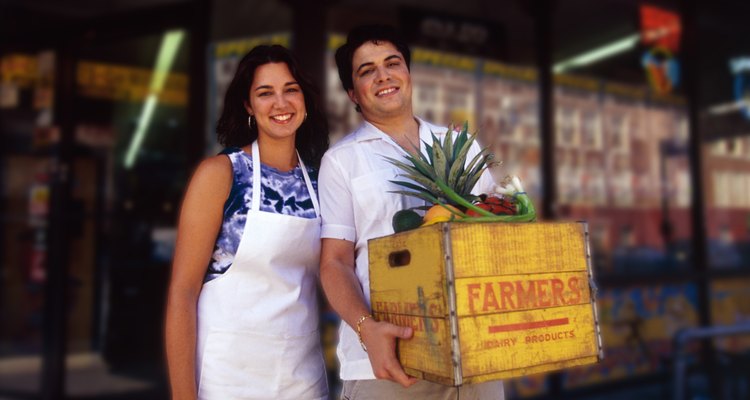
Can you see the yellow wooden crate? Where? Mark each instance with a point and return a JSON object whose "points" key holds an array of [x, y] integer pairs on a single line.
{"points": [[487, 300]]}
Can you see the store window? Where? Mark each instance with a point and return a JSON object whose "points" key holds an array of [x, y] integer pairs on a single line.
{"points": [[131, 112], [724, 120], [129, 168], [26, 93], [622, 165]]}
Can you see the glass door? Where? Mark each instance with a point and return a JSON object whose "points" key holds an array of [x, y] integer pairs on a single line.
{"points": [[129, 138]]}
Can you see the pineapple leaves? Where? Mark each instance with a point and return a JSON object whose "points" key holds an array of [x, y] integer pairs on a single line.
{"points": [[441, 173], [459, 160], [428, 185], [439, 158], [417, 167], [475, 165], [420, 195], [460, 142], [448, 146], [432, 190]]}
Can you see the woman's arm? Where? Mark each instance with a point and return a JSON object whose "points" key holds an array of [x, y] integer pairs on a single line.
{"points": [[200, 220]]}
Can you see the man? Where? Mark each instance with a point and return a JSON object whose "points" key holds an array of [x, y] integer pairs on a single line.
{"points": [[357, 204]]}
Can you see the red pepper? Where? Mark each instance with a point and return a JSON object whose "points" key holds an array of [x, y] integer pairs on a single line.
{"points": [[495, 205]]}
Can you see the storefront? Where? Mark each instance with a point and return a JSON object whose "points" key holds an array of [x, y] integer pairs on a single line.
{"points": [[632, 116]]}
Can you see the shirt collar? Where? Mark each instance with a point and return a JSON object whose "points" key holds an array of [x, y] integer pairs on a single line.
{"points": [[369, 131]]}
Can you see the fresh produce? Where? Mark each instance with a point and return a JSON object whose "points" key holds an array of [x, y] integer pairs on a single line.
{"points": [[440, 213], [496, 205], [405, 220], [444, 178]]}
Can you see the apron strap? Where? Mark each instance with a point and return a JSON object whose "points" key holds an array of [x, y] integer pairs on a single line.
{"points": [[308, 182], [256, 178], [257, 187]]}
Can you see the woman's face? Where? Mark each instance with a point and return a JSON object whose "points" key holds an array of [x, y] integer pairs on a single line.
{"points": [[276, 101]]}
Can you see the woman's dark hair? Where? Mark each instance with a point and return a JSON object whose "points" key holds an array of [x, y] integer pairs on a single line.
{"points": [[233, 130], [361, 35]]}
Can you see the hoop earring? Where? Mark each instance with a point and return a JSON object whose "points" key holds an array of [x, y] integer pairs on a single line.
{"points": [[251, 122], [305, 119]]}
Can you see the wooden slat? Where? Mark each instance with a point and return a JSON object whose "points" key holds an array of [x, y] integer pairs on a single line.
{"points": [[512, 249]]}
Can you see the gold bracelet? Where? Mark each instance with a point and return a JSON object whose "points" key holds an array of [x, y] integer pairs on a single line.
{"points": [[359, 329]]}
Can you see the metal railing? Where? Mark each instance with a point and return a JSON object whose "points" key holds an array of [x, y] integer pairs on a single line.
{"points": [[684, 337]]}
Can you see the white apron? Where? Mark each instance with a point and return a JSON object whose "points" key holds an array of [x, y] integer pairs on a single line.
{"points": [[258, 322]]}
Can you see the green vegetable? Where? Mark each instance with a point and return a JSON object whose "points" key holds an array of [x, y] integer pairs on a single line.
{"points": [[405, 220]]}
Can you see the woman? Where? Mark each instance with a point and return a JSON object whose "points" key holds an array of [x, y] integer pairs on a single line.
{"points": [[242, 314]]}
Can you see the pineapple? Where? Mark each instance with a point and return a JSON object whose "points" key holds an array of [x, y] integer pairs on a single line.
{"points": [[443, 177]]}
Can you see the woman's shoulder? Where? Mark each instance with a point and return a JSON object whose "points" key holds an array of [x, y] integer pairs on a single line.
{"points": [[214, 167], [210, 183]]}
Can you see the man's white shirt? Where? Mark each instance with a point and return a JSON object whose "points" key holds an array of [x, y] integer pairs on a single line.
{"points": [[357, 204]]}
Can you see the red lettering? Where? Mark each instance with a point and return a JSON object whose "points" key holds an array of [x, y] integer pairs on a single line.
{"points": [[541, 293], [489, 297], [506, 294], [526, 298], [473, 289], [557, 292], [520, 294]]}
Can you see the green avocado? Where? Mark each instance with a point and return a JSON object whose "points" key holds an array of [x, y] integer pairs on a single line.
{"points": [[405, 220]]}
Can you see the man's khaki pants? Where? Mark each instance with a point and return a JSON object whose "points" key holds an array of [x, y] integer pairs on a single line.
{"points": [[377, 389]]}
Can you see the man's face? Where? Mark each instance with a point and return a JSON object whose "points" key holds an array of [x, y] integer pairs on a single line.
{"points": [[382, 84]]}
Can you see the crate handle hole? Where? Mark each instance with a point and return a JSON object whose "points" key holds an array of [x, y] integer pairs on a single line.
{"points": [[399, 258]]}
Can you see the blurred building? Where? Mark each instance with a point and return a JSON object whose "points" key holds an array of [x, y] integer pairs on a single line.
{"points": [[633, 116]]}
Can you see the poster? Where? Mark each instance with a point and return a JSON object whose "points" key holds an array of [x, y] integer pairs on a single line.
{"points": [[730, 305], [637, 325], [507, 113]]}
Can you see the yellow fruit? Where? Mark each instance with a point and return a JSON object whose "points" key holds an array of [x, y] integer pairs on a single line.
{"points": [[438, 213]]}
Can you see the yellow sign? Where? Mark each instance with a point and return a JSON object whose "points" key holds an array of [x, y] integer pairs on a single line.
{"points": [[240, 47], [628, 91], [443, 59], [19, 69], [577, 82], [125, 83], [335, 41], [509, 71]]}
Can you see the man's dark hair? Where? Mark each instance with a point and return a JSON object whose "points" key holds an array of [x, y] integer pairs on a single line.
{"points": [[232, 128], [361, 35]]}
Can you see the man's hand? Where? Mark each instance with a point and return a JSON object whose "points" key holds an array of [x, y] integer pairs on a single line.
{"points": [[344, 292], [380, 340]]}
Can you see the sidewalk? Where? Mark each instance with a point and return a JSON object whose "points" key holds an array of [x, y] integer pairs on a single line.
{"points": [[88, 377]]}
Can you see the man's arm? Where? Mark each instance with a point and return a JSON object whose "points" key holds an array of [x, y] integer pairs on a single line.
{"points": [[344, 293]]}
